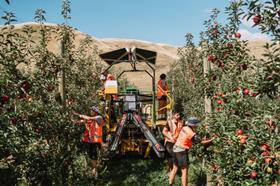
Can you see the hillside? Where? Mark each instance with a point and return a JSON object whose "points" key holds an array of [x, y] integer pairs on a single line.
{"points": [[167, 54]]}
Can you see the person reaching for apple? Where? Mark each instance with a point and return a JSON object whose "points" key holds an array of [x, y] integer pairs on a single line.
{"points": [[93, 134], [184, 142]]}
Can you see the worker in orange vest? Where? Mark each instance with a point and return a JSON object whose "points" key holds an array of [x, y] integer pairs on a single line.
{"points": [[162, 90], [184, 142], [93, 135], [111, 77], [171, 133]]}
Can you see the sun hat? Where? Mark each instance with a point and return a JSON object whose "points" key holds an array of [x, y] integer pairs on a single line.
{"points": [[95, 109], [192, 121]]}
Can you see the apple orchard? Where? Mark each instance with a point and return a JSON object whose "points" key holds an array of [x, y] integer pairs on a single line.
{"points": [[244, 94], [40, 144]]}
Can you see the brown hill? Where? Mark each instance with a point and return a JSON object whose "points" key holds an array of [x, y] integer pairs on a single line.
{"points": [[166, 54]]}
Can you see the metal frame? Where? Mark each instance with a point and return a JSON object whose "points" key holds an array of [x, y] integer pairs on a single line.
{"points": [[133, 60]]}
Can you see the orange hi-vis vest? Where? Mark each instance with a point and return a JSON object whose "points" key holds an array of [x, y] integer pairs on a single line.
{"points": [[184, 139], [162, 87], [93, 131], [174, 129]]}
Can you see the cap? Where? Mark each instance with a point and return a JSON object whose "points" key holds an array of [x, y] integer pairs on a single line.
{"points": [[95, 109], [192, 121]]}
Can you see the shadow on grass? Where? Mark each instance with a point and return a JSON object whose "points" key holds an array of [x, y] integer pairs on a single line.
{"points": [[135, 170], [128, 170]]}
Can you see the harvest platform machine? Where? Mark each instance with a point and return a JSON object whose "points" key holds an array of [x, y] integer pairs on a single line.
{"points": [[131, 114]]}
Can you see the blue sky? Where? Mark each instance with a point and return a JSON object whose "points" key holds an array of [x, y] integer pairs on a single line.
{"points": [[160, 21]]}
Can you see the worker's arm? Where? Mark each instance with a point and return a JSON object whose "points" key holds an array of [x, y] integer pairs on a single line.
{"points": [[80, 121], [167, 134], [85, 116], [204, 141]]}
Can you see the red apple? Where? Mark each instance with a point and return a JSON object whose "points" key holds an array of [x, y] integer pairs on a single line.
{"points": [[253, 174], [220, 102], [5, 99], [244, 66], [239, 132], [246, 91], [229, 45], [25, 85], [257, 19], [254, 94], [237, 35], [211, 58], [265, 154], [267, 160], [243, 139], [269, 77], [264, 147], [218, 109]]}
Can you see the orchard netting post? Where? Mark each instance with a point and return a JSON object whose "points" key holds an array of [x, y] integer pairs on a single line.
{"points": [[207, 100], [207, 105], [66, 10], [62, 76]]}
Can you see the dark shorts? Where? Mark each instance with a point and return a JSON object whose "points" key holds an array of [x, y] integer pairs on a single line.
{"points": [[93, 150], [181, 159], [169, 149], [163, 98]]}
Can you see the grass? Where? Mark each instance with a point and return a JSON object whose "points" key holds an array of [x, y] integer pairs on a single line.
{"points": [[133, 170]]}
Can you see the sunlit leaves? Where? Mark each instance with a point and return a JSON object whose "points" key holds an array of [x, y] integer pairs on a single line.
{"points": [[40, 15], [9, 18]]}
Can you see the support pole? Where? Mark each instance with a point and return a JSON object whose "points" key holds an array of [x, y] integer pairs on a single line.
{"points": [[154, 99], [207, 100], [207, 106], [61, 77]]}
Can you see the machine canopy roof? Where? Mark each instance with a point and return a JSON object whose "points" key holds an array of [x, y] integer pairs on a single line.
{"points": [[129, 55]]}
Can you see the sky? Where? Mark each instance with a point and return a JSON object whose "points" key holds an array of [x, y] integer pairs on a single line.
{"points": [[158, 21]]}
